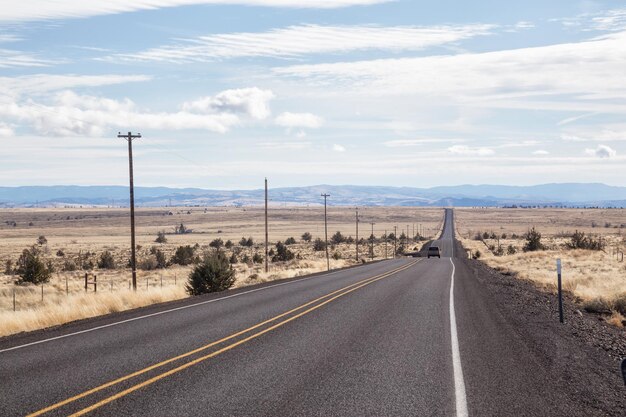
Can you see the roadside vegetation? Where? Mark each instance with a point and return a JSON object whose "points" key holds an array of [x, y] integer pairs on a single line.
{"points": [[592, 267]]}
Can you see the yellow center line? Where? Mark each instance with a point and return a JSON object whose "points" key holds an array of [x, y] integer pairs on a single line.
{"points": [[200, 349], [229, 347]]}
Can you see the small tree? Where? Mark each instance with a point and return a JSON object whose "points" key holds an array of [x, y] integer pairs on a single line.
{"points": [[337, 238], [249, 242], [533, 241], [257, 258], [510, 250], [31, 268], [161, 261], [212, 274], [217, 243], [282, 253], [41, 240], [161, 237], [106, 260], [228, 244], [290, 241], [306, 236], [233, 259]]}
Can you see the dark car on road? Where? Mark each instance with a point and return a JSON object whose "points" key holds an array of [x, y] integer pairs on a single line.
{"points": [[434, 251]]}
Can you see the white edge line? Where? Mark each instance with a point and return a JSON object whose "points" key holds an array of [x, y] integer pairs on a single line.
{"points": [[165, 311], [459, 383]]}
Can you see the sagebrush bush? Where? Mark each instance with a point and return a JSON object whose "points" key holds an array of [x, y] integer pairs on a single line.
{"points": [[319, 245], [106, 260], [306, 236], [214, 273], [184, 255]]}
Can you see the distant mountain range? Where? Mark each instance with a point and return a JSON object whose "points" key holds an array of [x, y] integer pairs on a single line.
{"points": [[571, 194]]}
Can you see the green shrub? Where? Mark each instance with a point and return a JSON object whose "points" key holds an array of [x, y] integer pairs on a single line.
{"points": [[533, 241], [257, 258], [580, 241], [69, 265], [233, 259], [217, 243], [106, 261], [282, 253], [184, 255], [290, 241], [228, 244], [306, 236], [212, 274], [510, 250], [31, 268], [319, 245], [41, 240], [337, 238], [336, 256], [161, 238]]}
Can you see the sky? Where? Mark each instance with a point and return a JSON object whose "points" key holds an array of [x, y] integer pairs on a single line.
{"points": [[365, 92]]}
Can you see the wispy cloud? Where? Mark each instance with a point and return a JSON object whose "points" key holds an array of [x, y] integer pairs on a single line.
{"points": [[44, 83], [466, 150], [294, 120], [583, 73], [339, 148], [12, 59], [297, 41], [69, 9], [607, 21]]}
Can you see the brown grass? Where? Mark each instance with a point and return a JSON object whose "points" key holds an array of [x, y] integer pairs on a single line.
{"points": [[596, 277]]}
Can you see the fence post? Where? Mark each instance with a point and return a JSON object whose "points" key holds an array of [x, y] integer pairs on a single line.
{"points": [[67, 290], [13, 298], [558, 269], [85, 282], [95, 283]]}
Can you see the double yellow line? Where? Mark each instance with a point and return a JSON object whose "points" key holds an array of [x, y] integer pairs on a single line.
{"points": [[311, 307]]}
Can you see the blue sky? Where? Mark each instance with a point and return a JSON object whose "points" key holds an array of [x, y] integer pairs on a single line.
{"points": [[410, 93]]}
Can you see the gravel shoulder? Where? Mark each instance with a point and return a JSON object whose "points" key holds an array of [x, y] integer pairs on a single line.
{"points": [[584, 353]]}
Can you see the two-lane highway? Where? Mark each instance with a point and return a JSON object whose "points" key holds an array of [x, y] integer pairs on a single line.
{"points": [[403, 337]]}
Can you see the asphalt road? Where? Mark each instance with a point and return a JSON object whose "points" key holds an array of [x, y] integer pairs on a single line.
{"points": [[403, 337]]}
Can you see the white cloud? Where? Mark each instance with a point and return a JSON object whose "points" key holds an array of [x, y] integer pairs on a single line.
{"points": [[303, 120], [61, 9], [252, 101], [602, 151], [71, 114], [583, 73], [6, 130], [608, 21], [339, 148], [284, 145], [44, 83], [295, 41], [541, 152], [13, 59], [466, 150], [402, 143]]}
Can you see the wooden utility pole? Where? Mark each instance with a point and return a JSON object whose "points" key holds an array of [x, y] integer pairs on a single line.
{"points": [[266, 233], [357, 234], [372, 241], [395, 240], [133, 256], [326, 232], [386, 238]]}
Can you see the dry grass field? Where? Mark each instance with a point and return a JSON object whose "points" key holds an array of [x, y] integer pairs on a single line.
{"points": [[80, 236], [597, 278]]}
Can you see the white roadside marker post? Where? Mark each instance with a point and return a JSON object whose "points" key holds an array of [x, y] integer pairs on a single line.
{"points": [[558, 270]]}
